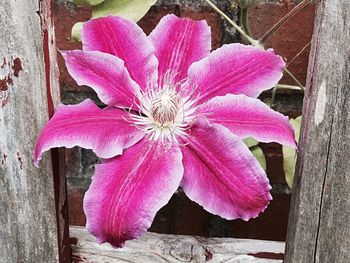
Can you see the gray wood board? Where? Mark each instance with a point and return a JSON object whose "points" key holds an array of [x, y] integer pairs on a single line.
{"points": [[28, 226], [154, 248], [319, 221]]}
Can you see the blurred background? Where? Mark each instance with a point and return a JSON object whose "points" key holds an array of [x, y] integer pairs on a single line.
{"points": [[182, 216]]}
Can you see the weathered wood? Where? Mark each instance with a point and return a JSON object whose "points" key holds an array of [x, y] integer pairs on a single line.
{"points": [[57, 155], [153, 248], [320, 212], [28, 92]]}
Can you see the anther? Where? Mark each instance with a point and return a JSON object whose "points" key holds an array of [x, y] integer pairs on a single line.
{"points": [[164, 108]]}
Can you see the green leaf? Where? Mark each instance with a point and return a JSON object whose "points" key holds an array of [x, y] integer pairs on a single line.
{"points": [[256, 151], [88, 2], [290, 154], [247, 3], [76, 31], [259, 155], [250, 142], [132, 9]]}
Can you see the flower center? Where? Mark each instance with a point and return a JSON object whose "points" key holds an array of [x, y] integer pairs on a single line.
{"points": [[164, 108], [166, 113]]}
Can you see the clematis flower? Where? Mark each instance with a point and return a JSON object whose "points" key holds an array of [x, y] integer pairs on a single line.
{"points": [[176, 116]]}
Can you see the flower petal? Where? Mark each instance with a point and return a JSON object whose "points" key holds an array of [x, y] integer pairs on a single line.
{"points": [[179, 42], [128, 190], [248, 117], [236, 69], [104, 131], [104, 73], [126, 40], [222, 175]]}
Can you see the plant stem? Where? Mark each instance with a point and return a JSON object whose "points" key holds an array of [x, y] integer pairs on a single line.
{"points": [[237, 27], [245, 22], [284, 19], [294, 78], [273, 96], [290, 87], [259, 43], [299, 53], [282, 86], [251, 148]]}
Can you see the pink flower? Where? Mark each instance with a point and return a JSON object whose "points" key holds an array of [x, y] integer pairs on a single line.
{"points": [[187, 111]]}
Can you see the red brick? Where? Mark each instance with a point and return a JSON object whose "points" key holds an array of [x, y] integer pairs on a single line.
{"points": [[65, 17], [151, 19], [274, 162], [270, 225], [213, 20], [290, 38], [72, 162], [75, 207], [181, 216]]}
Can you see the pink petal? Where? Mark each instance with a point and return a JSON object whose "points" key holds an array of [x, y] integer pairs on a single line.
{"points": [[236, 69], [128, 190], [126, 40], [104, 131], [248, 117], [222, 175], [179, 42], [104, 73]]}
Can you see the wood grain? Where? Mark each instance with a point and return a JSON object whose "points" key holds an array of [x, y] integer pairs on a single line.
{"points": [[154, 248], [28, 92], [320, 212]]}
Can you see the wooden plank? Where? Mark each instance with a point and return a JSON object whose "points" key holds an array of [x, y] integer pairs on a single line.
{"points": [[28, 92], [320, 211], [153, 248], [53, 98]]}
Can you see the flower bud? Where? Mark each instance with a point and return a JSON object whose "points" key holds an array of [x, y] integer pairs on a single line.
{"points": [[246, 3]]}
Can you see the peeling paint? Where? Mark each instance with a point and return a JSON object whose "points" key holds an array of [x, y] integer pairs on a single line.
{"points": [[4, 98], [45, 25], [20, 161], [208, 254], [17, 67], [4, 158], [47, 71], [4, 63], [5, 82], [267, 255], [321, 103]]}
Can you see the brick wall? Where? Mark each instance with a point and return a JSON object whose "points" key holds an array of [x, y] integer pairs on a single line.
{"points": [[182, 216]]}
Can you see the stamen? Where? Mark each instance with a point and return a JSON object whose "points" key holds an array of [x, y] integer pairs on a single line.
{"points": [[164, 108], [168, 110]]}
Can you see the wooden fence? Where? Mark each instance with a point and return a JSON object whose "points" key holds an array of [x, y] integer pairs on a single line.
{"points": [[33, 208]]}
